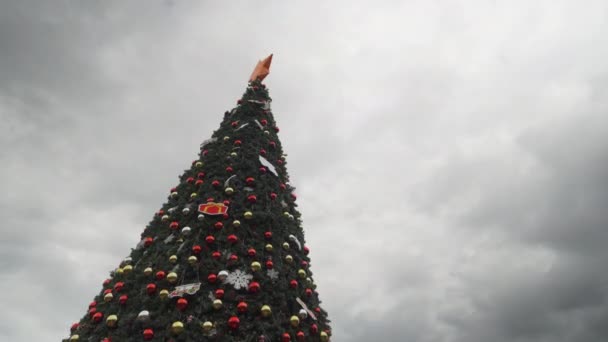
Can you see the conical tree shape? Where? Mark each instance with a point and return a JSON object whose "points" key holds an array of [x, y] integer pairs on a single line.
{"points": [[224, 259]]}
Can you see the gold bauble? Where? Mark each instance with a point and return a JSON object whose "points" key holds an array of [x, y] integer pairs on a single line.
{"points": [[165, 218], [248, 215], [177, 327], [269, 247], [285, 245], [74, 338], [148, 271], [172, 277], [295, 321], [256, 266], [233, 154], [192, 260], [163, 294], [229, 191], [265, 310], [217, 304], [286, 214], [173, 259], [119, 271], [289, 259], [111, 320], [199, 164], [127, 269], [207, 326], [226, 138], [302, 273], [324, 337], [174, 194], [193, 195], [236, 223]]}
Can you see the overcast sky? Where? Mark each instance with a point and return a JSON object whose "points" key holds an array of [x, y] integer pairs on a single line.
{"points": [[450, 157]]}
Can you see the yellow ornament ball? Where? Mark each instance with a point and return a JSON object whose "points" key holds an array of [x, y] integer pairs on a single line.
{"points": [[302, 273], [295, 321], [148, 271], [269, 248], [173, 259], [286, 214], [74, 338], [192, 260], [199, 164], [127, 269], [229, 191], [111, 320], [265, 310], [285, 245], [207, 326], [172, 277], [217, 304], [119, 271], [108, 297], [289, 259], [256, 266], [177, 327], [174, 194], [248, 215], [323, 336], [233, 154], [236, 223], [165, 218], [193, 195], [226, 138], [163, 294]]}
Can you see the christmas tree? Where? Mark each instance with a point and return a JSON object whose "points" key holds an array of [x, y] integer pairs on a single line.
{"points": [[224, 258]]}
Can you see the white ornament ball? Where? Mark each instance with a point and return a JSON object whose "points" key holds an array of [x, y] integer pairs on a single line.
{"points": [[303, 314], [222, 275], [143, 315], [186, 231]]}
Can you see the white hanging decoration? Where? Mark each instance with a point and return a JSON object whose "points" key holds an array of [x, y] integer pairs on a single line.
{"points": [[248, 188], [270, 167], [305, 307], [211, 296], [272, 274], [243, 126], [171, 210], [259, 124], [190, 289], [296, 241], [266, 105], [238, 279], [169, 238], [208, 141], [227, 182], [284, 204]]}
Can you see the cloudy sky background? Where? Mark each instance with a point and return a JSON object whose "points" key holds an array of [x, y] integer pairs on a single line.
{"points": [[450, 157]]}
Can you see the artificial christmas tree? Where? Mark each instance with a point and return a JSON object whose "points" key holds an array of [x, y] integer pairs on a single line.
{"points": [[224, 258]]}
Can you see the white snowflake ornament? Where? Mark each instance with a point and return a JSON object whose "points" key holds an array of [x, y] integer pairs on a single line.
{"points": [[238, 279], [272, 274]]}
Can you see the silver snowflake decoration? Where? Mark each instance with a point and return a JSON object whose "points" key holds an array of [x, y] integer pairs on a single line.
{"points": [[238, 279], [272, 274], [211, 296]]}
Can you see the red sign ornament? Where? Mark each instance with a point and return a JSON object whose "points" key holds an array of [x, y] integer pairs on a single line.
{"points": [[212, 208]]}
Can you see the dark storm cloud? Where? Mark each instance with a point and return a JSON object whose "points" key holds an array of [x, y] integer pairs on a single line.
{"points": [[450, 159]]}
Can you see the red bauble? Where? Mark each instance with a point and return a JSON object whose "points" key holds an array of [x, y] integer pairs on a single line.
{"points": [[306, 250], [294, 196], [256, 87], [151, 289], [264, 122], [123, 300], [314, 329], [232, 238], [272, 144], [219, 293], [300, 336], [293, 284], [196, 249], [249, 180], [276, 129], [106, 282], [216, 255], [308, 292], [237, 143], [318, 310], [210, 239], [148, 334], [254, 287], [242, 307], [218, 225], [262, 169], [268, 235], [283, 186], [92, 304], [285, 337], [212, 278], [200, 175], [210, 199], [239, 101], [226, 203], [118, 286], [252, 198], [273, 196], [175, 189], [280, 161], [263, 152], [160, 275], [97, 317], [229, 169], [205, 152], [234, 123], [148, 241], [233, 258], [269, 264], [190, 180], [215, 183], [304, 264], [106, 291], [182, 304], [74, 326], [251, 252], [107, 339], [174, 225], [92, 311], [160, 212], [198, 182], [234, 322]]}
